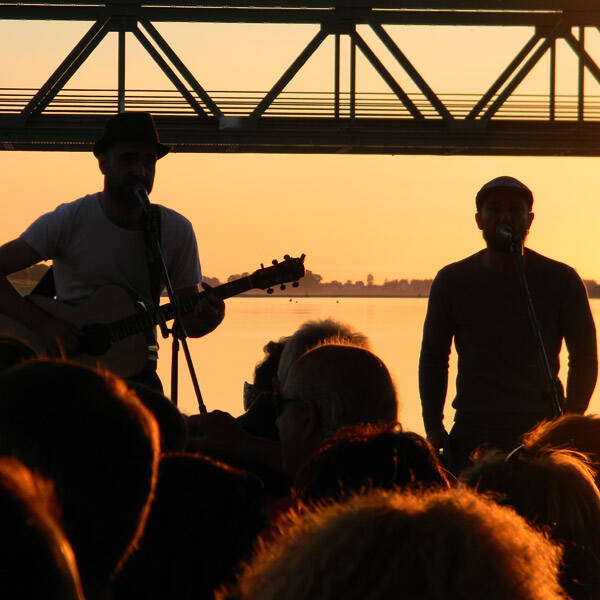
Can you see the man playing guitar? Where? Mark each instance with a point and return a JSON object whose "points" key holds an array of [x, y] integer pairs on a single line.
{"points": [[99, 240]]}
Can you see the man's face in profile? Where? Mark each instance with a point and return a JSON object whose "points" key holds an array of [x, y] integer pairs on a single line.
{"points": [[126, 164], [503, 207]]}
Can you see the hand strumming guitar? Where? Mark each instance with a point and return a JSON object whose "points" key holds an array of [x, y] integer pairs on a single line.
{"points": [[59, 338]]}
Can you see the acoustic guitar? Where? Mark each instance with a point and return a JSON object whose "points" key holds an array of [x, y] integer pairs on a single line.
{"points": [[114, 327]]}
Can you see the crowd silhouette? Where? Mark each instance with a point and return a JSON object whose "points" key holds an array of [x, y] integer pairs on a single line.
{"points": [[107, 491]]}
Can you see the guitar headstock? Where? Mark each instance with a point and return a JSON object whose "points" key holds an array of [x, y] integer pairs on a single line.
{"points": [[279, 273]]}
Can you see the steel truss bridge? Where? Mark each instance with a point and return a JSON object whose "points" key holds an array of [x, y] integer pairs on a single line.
{"points": [[193, 119]]}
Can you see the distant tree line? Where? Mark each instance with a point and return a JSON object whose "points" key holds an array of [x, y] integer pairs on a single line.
{"points": [[311, 284]]}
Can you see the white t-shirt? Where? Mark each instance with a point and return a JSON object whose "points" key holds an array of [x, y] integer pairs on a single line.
{"points": [[89, 251]]}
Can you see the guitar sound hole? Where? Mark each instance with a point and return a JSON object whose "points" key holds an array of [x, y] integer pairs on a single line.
{"points": [[95, 339]]}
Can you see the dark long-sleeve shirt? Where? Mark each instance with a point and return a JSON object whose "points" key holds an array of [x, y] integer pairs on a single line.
{"points": [[498, 364]]}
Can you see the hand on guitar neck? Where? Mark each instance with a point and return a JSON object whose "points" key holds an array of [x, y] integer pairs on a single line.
{"points": [[207, 313], [109, 328]]}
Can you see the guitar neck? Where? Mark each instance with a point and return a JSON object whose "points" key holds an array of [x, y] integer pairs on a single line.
{"points": [[289, 270], [146, 320], [224, 291]]}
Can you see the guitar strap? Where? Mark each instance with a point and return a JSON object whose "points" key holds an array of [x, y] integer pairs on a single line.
{"points": [[153, 225]]}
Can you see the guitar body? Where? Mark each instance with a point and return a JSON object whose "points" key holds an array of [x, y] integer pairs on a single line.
{"points": [[108, 304], [113, 324]]}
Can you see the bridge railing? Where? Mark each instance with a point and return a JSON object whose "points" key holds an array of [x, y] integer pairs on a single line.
{"points": [[525, 107]]}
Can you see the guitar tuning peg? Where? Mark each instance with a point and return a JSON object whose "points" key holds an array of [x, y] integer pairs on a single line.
{"points": [[269, 290], [282, 287], [262, 266], [295, 284], [274, 261]]}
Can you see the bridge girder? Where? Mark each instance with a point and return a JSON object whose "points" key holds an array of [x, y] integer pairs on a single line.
{"points": [[421, 124]]}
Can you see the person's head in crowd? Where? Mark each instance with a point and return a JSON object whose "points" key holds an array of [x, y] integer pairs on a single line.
{"points": [[14, 351], [437, 546], [259, 418], [171, 423], [203, 521], [327, 388], [555, 491], [270, 374], [312, 334], [265, 372], [89, 433], [359, 458], [574, 432], [36, 560]]}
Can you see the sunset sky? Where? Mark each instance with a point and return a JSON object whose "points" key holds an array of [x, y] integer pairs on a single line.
{"points": [[393, 216]]}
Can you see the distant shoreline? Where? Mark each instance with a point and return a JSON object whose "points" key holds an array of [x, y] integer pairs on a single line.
{"points": [[276, 295], [26, 280]]}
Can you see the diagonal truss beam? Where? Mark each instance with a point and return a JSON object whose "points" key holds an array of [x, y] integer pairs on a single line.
{"points": [[403, 60], [504, 76], [168, 71], [580, 50], [289, 74], [178, 64], [67, 68], [518, 78], [386, 75]]}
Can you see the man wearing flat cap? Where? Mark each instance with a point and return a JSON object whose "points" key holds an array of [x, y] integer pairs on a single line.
{"points": [[478, 302], [99, 240]]}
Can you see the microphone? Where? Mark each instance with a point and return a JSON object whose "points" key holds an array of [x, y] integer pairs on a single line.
{"points": [[141, 195], [507, 233]]}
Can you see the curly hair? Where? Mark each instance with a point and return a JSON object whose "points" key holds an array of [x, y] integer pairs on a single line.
{"points": [[430, 546]]}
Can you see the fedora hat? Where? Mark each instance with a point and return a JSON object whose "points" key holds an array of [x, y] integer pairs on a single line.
{"points": [[130, 127]]}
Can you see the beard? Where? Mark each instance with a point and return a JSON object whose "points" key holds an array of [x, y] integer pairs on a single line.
{"points": [[501, 244], [121, 192]]}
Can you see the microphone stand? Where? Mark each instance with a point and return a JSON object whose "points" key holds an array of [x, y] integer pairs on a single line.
{"points": [[516, 249], [178, 329]]}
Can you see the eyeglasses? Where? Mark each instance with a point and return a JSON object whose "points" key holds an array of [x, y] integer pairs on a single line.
{"points": [[248, 394], [252, 392], [514, 454]]}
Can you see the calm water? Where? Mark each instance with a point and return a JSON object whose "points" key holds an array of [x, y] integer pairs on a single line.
{"points": [[226, 357]]}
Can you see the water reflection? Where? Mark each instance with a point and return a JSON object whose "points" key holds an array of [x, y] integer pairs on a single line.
{"points": [[226, 357]]}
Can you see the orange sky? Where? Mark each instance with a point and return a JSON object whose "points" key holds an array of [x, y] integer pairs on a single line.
{"points": [[400, 216]]}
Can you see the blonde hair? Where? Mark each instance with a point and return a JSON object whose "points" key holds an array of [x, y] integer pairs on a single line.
{"points": [[315, 333], [552, 488], [555, 491], [36, 556], [575, 432], [452, 544]]}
